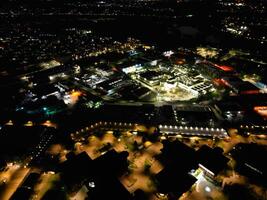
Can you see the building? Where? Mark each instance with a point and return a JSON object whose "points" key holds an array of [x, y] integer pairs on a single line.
{"points": [[76, 169], [211, 70], [173, 183], [250, 162], [230, 111], [179, 160], [211, 161], [100, 176], [239, 86], [150, 78]]}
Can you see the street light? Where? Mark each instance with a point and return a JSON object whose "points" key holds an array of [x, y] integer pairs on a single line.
{"points": [[207, 189]]}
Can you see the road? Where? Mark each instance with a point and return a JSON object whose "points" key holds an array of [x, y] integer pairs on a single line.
{"points": [[16, 175]]}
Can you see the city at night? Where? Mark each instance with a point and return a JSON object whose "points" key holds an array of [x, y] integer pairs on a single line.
{"points": [[133, 100]]}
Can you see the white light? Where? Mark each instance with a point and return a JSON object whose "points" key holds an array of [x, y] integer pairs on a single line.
{"points": [[207, 189], [163, 138], [168, 53], [161, 194], [91, 184]]}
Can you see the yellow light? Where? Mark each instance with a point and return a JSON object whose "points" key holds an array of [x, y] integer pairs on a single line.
{"points": [[29, 123], [76, 93], [147, 144], [49, 124], [10, 122]]}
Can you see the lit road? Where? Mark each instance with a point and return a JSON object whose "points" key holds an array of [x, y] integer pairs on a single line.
{"points": [[8, 172], [17, 175], [80, 195], [45, 183]]}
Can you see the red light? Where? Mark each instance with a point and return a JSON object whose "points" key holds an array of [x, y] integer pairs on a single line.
{"points": [[250, 92], [225, 68], [218, 81], [226, 83]]}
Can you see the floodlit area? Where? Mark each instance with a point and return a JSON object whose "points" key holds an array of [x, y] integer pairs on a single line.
{"points": [[203, 189], [50, 64], [138, 157], [171, 81], [177, 94]]}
